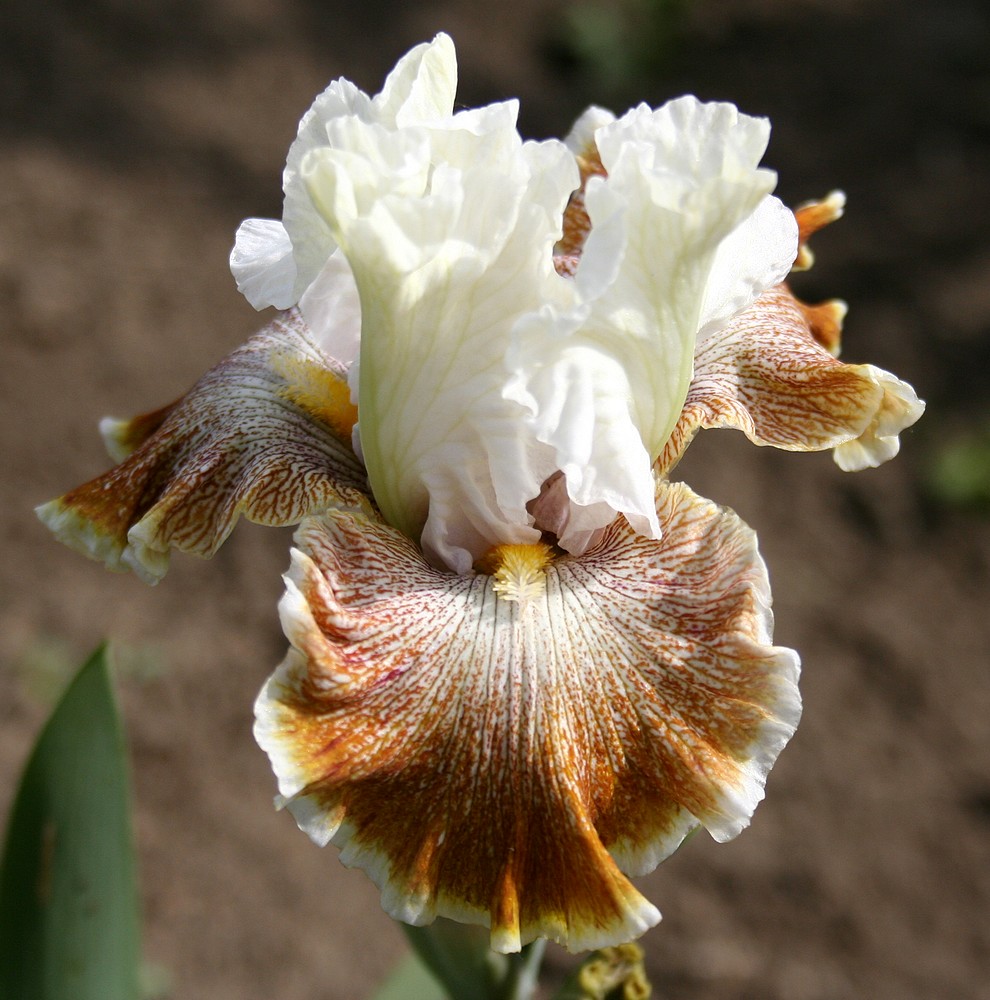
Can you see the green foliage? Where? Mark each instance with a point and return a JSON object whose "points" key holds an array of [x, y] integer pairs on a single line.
{"points": [[411, 981], [616, 43], [459, 957], [960, 473], [68, 901]]}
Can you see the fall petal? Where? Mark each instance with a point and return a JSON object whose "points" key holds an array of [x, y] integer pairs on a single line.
{"points": [[501, 760], [766, 375], [878, 442], [265, 434]]}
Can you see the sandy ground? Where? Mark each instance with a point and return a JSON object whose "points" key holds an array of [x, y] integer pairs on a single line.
{"points": [[134, 138]]}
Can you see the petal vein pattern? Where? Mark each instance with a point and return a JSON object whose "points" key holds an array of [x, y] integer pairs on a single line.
{"points": [[767, 375], [266, 433], [449, 233], [604, 380], [545, 746]]}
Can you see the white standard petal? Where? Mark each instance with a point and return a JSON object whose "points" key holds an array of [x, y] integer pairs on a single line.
{"points": [[755, 256], [276, 262], [262, 264], [447, 252], [421, 88], [581, 137], [332, 310], [680, 180]]}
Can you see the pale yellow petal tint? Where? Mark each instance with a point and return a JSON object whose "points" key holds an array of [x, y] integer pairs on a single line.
{"points": [[504, 761], [266, 433]]}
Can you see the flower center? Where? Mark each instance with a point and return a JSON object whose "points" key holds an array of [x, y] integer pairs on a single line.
{"points": [[518, 571]]}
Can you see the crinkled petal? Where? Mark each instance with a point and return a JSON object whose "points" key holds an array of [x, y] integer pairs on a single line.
{"points": [[446, 255], [422, 86], [755, 256], [604, 380], [503, 761], [273, 262], [879, 441], [766, 375], [265, 433], [262, 264]]}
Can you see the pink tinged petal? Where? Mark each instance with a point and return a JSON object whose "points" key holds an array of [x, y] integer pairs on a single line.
{"points": [[264, 434], [767, 375], [498, 751]]}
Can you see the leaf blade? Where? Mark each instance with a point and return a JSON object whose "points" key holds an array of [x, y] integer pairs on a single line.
{"points": [[68, 899]]}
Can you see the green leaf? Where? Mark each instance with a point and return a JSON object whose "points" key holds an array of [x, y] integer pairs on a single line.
{"points": [[68, 898], [410, 981], [459, 956]]}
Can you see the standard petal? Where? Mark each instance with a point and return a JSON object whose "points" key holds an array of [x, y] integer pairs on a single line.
{"points": [[499, 754], [767, 375], [446, 255], [755, 256], [265, 433], [604, 380], [262, 264]]}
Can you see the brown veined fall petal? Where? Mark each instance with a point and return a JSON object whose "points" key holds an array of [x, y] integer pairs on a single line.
{"points": [[265, 433], [500, 749], [767, 375]]}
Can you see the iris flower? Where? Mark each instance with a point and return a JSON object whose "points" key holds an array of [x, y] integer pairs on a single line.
{"points": [[524, 663]]}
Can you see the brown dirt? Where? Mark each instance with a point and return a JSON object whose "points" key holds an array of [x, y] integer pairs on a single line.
{"points": [[135, 137]]}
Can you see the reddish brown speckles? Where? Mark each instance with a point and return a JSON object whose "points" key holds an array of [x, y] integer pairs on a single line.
{"points": [[768, 375], [525, 741], [241, 442]]}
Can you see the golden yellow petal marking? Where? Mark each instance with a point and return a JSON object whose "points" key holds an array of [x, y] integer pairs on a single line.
{"points": [[505, 765], [315, 388], [123, 437], [237, 443], [519, 572]]}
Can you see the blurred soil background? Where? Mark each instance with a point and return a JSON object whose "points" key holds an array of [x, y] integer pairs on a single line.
{"points": [[134, 136]]}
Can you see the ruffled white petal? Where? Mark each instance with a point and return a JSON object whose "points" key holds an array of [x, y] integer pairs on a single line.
{"points": [[604, 380], [755, 256], [879, 441], [262, 264], [449, 233], [273, 272]]}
